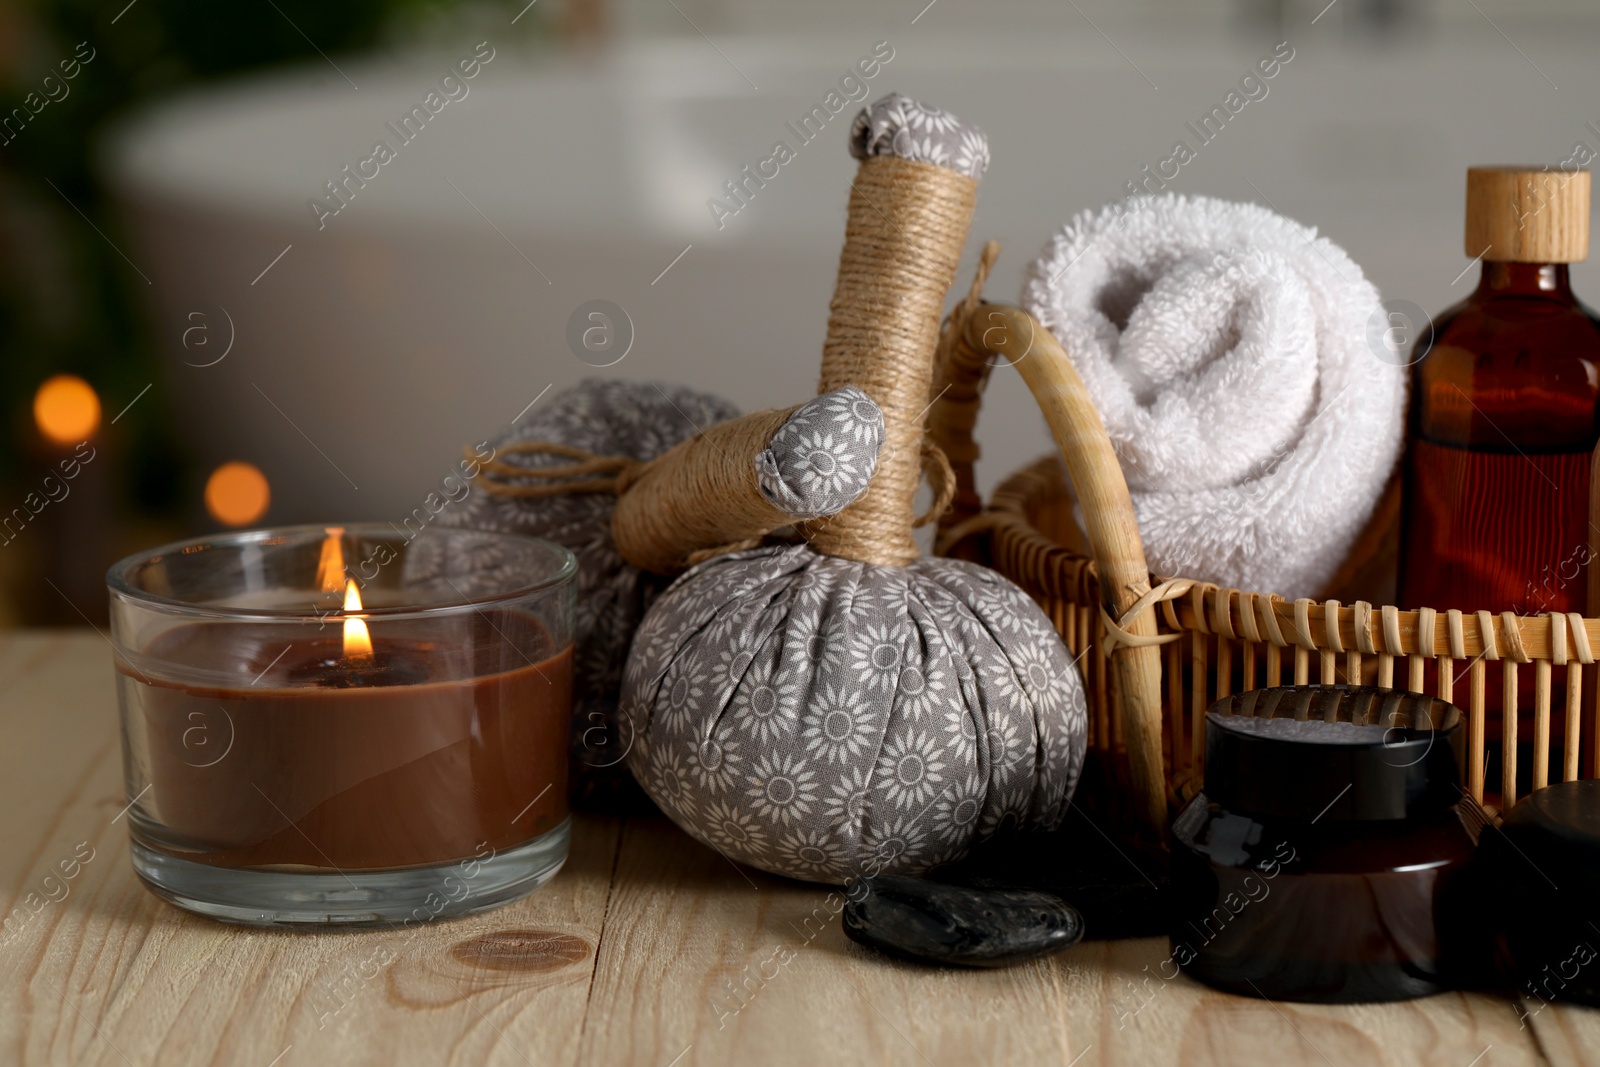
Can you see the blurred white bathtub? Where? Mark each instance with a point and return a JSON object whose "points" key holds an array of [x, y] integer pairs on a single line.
{"points": [[416, 321]]}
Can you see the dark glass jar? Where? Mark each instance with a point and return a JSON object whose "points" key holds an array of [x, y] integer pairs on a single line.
{"points": [[1540, 878], [1313, 865]]}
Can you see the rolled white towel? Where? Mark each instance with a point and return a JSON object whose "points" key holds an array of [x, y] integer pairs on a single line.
{"points": [[1227, 349]]}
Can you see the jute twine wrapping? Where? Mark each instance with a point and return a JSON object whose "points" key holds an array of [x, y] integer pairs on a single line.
{"points": [[604, 471], [700, 497], [904, 234], [697, 499]]}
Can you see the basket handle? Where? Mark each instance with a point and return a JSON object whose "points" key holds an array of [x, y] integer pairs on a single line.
{"points": [[987, 332]]}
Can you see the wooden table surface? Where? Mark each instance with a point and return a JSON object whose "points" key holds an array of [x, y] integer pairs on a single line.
{"points": [[647, 949]]}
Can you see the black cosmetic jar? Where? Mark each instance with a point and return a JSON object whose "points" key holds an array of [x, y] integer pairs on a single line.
{"points": [[1540, 873], [1312, 866]]}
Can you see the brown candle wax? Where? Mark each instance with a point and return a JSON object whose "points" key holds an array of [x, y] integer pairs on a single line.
{"points": [[421, 756]]}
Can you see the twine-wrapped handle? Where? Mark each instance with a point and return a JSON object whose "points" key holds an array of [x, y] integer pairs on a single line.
{"points": [[699, 494], [733, 483], [910, 208]]}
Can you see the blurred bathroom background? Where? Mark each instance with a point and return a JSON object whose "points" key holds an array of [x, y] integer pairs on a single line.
{"points": [[185, 330]]}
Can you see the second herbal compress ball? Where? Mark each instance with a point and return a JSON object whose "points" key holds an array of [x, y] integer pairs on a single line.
{"points": [[626, 420]]}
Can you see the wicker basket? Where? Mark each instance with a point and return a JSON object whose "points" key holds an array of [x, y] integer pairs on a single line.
{"points": [[1156, 652]]}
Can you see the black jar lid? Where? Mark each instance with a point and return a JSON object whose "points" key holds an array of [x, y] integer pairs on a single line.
{"points": [[1557, 831], [1333, 754]]}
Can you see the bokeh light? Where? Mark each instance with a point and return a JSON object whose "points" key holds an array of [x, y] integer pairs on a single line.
{"points": [[66, 409], [237, 494]]}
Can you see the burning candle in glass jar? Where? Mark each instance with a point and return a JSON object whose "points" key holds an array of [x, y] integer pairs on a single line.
{"points": [[424, 730]]}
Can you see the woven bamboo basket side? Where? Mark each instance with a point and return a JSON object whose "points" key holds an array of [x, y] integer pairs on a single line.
{"points": [[1213, 641], [1232, 641]]}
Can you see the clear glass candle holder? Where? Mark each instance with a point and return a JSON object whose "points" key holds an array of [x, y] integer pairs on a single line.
{"points": [[359, 724]]}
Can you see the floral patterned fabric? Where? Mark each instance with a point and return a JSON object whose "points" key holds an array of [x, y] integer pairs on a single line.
{"points": [[823, 457], [823, 719], [899, 126], [609, 418]]}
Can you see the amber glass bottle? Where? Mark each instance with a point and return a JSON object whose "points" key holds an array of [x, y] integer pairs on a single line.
{"points": [[1503, 417]]}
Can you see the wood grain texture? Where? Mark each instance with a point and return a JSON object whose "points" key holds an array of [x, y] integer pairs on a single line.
{"points": [[647, 949], [1567, 1037], [1527, 215]]}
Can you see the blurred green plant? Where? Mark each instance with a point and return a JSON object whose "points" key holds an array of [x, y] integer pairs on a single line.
{"points": [[69, 302]]}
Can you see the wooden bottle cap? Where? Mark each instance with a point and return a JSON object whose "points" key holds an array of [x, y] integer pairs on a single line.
{"points": [[1527, 214]]}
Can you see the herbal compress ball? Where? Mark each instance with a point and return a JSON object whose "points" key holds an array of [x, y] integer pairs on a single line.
{"points": [[824, 718], [844, 707]]}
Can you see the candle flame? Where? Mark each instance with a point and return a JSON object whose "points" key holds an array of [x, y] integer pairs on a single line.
{"points": [[357, 641], [330, 567]]}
